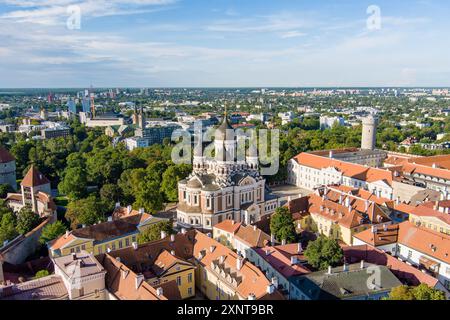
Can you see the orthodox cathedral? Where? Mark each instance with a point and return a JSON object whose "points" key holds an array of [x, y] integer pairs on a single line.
{"points": [[224, 187]]}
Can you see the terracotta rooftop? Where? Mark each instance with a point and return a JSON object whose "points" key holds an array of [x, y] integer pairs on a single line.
{"points": [[228, 225], [34, 178], [252, 236], [408, 274], [280, 258], [348, 169], [124, 283]]}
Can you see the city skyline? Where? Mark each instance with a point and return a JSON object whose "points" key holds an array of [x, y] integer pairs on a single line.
{"points": [[182, 43]]}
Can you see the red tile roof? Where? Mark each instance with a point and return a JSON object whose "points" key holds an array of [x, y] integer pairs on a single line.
{"points": [[34, 178], [403, 271], [279, 257], [348, 169]]}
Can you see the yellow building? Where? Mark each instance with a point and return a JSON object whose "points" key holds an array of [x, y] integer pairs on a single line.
{"points": [[163, 262], [103, 237], [339, 212]]}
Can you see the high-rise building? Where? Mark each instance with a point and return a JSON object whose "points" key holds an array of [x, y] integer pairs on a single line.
{"points": [[72, 106]]}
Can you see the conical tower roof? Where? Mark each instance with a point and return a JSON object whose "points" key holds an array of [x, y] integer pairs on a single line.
{"points": [[34, 178]]}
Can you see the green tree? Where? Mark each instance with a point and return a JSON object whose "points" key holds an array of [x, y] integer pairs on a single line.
{"points": [[41, 274], [153, 232], [85, 211], [27, 220], [52, 231], [282, 225], [421, 292], [324, 252], [74, 183], [8, 227], [5, 189], [110, 194], [170, 178]]}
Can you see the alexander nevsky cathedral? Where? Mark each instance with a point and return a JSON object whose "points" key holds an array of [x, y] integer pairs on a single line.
{"points": [[226, 186]]}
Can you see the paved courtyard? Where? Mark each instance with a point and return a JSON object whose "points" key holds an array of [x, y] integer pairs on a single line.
{"points": [[285, 191]]}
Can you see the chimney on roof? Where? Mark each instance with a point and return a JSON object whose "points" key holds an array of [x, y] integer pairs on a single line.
{"points": [[183, 230], [347, 201], [434, 166], [272, 239], [221, 259], [117, 205], [159, 292], [385, 227], [212, 248], [163, 234], [139, 279], [118, 259], [129, 209], [362, 264], [251, 296], [134, 245], [209, 235], [294, 260], [172, 238], [366, 205], [110, 218], [254, 228], [283, 242], [270, 289], [74, 256], [275, 282], [397, 201], [67, 233], [436, 205], [299, 248], [141, 210], [330, 154], [239, 263], [374, 229], [172, 252], [340, 199], [345, 267], [330, 270]]}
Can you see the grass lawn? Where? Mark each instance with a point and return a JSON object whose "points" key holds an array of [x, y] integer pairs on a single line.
{"points": [[61, 201]]}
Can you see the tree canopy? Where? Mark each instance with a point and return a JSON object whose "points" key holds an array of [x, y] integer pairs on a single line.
{"points": [[421, 292], [52, 231], [324, 252], [153, 232], [282, 225]]}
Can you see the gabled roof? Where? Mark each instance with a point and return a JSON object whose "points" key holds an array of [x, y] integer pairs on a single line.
{"points": [[122, 281], [34, 178]]}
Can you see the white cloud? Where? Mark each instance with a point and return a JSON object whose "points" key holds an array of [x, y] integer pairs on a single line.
{"points": [[292, 34]]}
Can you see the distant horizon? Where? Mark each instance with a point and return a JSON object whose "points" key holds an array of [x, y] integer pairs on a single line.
{"points": [[236, 87]]}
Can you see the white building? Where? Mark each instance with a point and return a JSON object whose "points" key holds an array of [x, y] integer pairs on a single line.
{"points": [[312, 171], [327, 122]]}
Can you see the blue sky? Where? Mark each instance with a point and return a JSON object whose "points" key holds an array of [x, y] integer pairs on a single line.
{"points": [[224, 43]]}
